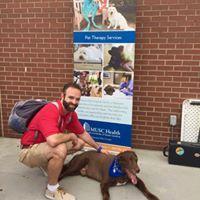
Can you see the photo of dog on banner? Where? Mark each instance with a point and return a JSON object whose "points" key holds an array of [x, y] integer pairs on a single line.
{"points": [[118, 85], [90, 83], [88, 53], [104, 15], [119, 57]]}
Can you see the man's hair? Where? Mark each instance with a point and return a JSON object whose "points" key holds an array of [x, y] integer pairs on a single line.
{"points": [[71, 85], [127, 76]]}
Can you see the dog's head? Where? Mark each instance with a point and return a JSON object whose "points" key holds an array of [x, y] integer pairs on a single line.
{"points": [[82, 54], [111, 11], [96, 91], [88, 54], [109, 90], [115, 59], [128, 162], [86, 90], [117, 51]]}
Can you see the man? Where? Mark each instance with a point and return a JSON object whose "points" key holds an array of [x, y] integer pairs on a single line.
{"points": [[46, 145]]}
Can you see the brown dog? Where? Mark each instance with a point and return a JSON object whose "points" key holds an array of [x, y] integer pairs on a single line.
{"points": [[99, 166]]}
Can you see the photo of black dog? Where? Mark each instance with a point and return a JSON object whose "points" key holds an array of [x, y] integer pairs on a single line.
{"points": [[109, 90], [101, 167], [119, 58], [116, 58]]}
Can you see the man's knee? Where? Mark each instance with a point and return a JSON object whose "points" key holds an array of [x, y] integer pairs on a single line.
{"points": [[60, 151], [82, 144]]}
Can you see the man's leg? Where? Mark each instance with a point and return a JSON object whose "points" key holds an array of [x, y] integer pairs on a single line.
{"points": [[56, 158], [70, 150], [54, 168], [43, 155]]}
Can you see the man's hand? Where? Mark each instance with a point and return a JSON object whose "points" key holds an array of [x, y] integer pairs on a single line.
{"points": [[74, 139], [105, 151]]}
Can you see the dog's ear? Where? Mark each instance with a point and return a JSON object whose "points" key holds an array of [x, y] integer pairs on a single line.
{"points": [[110, 52], [121, 48], [105, 88], [122, 159], [120, 156], [99, 90], [135, 154]]}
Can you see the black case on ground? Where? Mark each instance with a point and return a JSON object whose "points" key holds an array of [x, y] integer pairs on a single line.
{"points": [[183, 153]]}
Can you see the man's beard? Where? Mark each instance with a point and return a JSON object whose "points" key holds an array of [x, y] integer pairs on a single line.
{"points": [[68, 107]]}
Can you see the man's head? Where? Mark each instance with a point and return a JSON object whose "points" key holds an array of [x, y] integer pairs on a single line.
{"points": [[126, 78], [71, 95]]}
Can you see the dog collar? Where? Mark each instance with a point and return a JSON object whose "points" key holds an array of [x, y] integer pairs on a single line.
{"points": [[115, 169]]}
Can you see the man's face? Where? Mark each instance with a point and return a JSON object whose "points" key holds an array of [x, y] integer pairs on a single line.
{"points": [[71, 99]]}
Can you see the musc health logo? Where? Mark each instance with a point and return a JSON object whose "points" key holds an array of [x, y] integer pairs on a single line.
{"points": [[86, 126], [90, 129]]}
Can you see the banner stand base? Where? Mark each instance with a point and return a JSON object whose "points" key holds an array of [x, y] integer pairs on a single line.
{"points": [[114, 149]]}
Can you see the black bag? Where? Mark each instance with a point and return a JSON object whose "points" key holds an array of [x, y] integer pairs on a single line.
{"points": [[183, 153]]}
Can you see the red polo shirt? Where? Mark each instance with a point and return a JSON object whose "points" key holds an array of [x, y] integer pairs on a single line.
{"points": [[51, 120]]}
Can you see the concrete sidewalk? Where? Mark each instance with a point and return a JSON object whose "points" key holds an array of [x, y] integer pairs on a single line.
{"points": [[168, 182]]}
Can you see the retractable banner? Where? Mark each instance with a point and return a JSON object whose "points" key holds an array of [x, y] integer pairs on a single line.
{"points": [[104, 53]]}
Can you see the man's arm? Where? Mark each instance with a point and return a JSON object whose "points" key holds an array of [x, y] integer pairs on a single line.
{"points": [[85, 136], [59, 138]]}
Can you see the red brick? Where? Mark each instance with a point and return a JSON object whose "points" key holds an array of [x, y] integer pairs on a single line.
{"points": [[151, 13], [178, 7], [169, 13], [188, 95], [184, 57]]}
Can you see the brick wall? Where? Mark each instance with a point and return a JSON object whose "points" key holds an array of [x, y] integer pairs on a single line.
{"points": [[35, 50], [36, 59], [167, 66]]}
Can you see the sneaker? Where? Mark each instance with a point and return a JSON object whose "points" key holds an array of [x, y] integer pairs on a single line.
{"points": [[59, 194]]}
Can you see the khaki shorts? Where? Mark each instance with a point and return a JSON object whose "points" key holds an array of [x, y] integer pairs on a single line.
{"points": [[34, 156]]}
